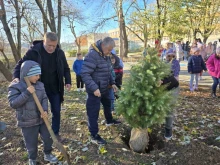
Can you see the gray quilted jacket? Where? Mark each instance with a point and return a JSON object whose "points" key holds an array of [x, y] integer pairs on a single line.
{"points": [[22, 100]]}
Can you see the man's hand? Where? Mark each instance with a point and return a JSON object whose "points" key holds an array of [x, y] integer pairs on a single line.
{"points": [[16, 80], [31, 89], [115, 88], [44, 115], [68, 87], [97, 93]]}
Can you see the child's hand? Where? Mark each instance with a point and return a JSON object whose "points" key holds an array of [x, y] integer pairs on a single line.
{"points": [[44, 115], [31, 89]]}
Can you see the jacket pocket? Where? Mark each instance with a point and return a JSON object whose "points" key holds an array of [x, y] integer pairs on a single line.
{"points": [[31, 111]]}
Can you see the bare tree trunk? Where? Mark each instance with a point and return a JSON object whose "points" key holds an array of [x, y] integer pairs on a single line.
{"points": [[5, 71], [39, 4], [124, 34], [121, 50], [59, 21], [6, 59], [8, 32], [18, 17], [194, 34], [79, 47], [51, 15], [44, 20], [125, 38], [205, 39], [72, 28]]}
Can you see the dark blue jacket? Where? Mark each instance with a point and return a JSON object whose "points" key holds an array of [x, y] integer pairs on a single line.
{"points": [[96, 70], [196, 64], [77, 66], [34, 54]]}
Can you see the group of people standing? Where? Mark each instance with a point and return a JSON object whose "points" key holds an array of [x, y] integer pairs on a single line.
{"points": [[200, 57], [46, 68], [101, 71]]}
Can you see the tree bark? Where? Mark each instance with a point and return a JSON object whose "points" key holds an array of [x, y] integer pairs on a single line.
{"points": [[44, 20], [39, 4], [124, 34], [5, 71], [121, 50], [6, 59], [51, 15], [59, 21], [8, 32], [18, 17]]}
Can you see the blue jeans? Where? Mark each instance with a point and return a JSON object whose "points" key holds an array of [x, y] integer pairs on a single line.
{"points": [[55, 104], [93, 107], [196, 76], [112, 98], [216, 81]]}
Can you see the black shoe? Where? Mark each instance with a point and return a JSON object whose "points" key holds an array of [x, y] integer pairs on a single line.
{"points": [[96, 139], [168, 134], [115, 122], [213, 94], [59, 139]]}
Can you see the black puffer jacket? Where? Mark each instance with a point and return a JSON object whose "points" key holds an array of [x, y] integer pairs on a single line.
{"points": [[34, 54]]}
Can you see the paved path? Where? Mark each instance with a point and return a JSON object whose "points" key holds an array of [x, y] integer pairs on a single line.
{"points": [[184, 75]]}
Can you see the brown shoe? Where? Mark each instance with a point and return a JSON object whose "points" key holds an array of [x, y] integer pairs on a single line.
{"points": [[59, 139]]}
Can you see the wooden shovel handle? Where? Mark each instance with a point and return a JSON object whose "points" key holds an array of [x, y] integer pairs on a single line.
{"points": [[59, 145]]}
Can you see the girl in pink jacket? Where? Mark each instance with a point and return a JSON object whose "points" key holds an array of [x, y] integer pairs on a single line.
{"points": [[213, 66]]}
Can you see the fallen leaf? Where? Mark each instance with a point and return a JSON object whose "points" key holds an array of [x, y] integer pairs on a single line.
{"points": [[174, 153], [124, 149], [149, 130], [218, 138], [102, 150], [85, 149], [8, 145], [162, 154]]}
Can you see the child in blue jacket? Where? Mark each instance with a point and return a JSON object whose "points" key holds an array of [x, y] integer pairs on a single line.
{"points": [[195, 66], [77, 66]]}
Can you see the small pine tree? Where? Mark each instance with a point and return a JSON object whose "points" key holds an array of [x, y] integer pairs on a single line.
{"points": [[144, 102]]}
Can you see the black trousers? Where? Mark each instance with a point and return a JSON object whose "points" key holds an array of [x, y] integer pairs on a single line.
{"points": [[79, 81]]}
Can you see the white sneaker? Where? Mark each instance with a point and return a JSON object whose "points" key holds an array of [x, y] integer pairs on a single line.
{"points": [[78, 89], [82, 89]]}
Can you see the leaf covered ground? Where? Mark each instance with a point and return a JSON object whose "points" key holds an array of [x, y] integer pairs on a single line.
{"points": [[196, 134]]}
